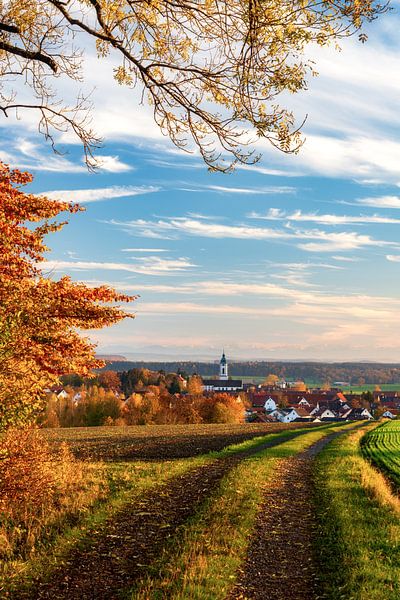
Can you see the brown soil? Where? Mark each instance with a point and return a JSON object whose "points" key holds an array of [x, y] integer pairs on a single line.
{"points": [[159, 442], [129, 543], [280, 564]]}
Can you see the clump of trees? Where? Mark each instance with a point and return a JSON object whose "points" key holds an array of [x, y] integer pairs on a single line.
{"points": [[139, 397]]}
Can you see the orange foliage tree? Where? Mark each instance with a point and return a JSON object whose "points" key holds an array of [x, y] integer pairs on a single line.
{"points": [[40, 317]]}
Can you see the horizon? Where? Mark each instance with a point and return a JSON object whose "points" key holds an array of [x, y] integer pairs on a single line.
{"points": [[210, 360]]}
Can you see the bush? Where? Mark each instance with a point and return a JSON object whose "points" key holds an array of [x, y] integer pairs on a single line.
{"points": [[34, 484]]}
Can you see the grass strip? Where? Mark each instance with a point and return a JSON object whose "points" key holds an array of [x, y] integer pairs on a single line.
{"points": [[358, 545], [202, 560]]}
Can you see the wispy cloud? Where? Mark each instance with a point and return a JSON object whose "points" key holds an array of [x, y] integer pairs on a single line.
{"points": [[276, 214], [143, 250], [98, 194], [150, 265], [349, 259], [256, 190], [321, 241], [380, 202]]}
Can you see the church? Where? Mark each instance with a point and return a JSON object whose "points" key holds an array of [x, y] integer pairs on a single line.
{"points": [[223, 384]]}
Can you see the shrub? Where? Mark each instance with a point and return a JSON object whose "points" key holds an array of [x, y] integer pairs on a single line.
{"points": [[35, 483]]}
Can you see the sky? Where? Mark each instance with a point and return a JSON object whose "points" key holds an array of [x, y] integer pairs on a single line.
{"points": [[297, 257]]}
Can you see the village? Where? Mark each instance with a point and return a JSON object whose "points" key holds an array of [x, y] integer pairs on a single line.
{"points": [[141, 396], [284, 402]]}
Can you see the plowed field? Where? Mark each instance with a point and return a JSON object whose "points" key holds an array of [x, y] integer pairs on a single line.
{"points": [[157, 442]]}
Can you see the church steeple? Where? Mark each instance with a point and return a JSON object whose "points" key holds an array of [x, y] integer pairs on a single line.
{"points": [[223, 367]]}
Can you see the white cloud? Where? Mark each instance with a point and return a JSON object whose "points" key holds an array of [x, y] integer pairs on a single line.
{"points": [[165, 308], [150, 265], [97, 194], [346, 258], [275, 214], [380, 202], [112, 164], [354, 156], [143, 250], [393, 257], [321, 241], [252, 190]]}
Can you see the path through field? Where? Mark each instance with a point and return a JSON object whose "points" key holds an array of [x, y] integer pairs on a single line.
{"points": [[127, 545], [280, 563]]}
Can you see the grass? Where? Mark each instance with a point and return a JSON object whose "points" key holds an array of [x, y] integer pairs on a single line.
{"points": [[359, 539], [202, 560], [370, 387]]}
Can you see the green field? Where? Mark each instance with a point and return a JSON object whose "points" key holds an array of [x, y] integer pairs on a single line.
{"points": [[356, 389], [382, 447]]}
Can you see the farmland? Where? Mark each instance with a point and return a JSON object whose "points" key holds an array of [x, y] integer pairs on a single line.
{"points": [[166, 518], [382, 447], [157, 441]]}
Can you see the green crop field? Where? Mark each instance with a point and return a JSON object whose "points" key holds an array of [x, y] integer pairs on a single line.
{"points": [[382, 447]]}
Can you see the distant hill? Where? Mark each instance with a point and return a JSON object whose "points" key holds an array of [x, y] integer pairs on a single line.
{"points": [[317, 372], [111, 357]]}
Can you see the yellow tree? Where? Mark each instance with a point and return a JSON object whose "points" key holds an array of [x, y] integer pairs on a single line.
{"points": [[211, 69], [40, 318], [271, 379], [195, 385]]}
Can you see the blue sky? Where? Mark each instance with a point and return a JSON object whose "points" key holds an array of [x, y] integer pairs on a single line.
{"points": [[297, 257]]}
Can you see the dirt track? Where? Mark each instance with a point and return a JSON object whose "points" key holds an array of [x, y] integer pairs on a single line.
{"points": [[280, 563]]}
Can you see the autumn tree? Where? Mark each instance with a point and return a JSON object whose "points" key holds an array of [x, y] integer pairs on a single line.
{"points": [[211, 70], [227, 409], [109, 380], [39, 316], [271, 379], [194, 385], [299, 386]]}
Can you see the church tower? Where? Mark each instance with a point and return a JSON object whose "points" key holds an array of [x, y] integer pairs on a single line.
{"points": [[223, 367]]}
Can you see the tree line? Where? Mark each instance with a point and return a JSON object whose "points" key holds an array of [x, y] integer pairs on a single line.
{"points": [[351, 372]]}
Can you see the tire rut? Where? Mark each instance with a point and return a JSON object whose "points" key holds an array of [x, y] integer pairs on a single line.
{"points": [[131, 540], [280, 564]]}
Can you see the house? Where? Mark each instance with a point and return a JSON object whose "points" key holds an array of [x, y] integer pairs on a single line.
{"points": [[304, 414], [391, 413], [256, 417], [358, 414], [287, 415], [303, 402], [269, 404], [322, 413]]}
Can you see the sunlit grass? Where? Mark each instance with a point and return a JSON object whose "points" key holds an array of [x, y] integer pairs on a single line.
{"points": [[358, 542]]}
